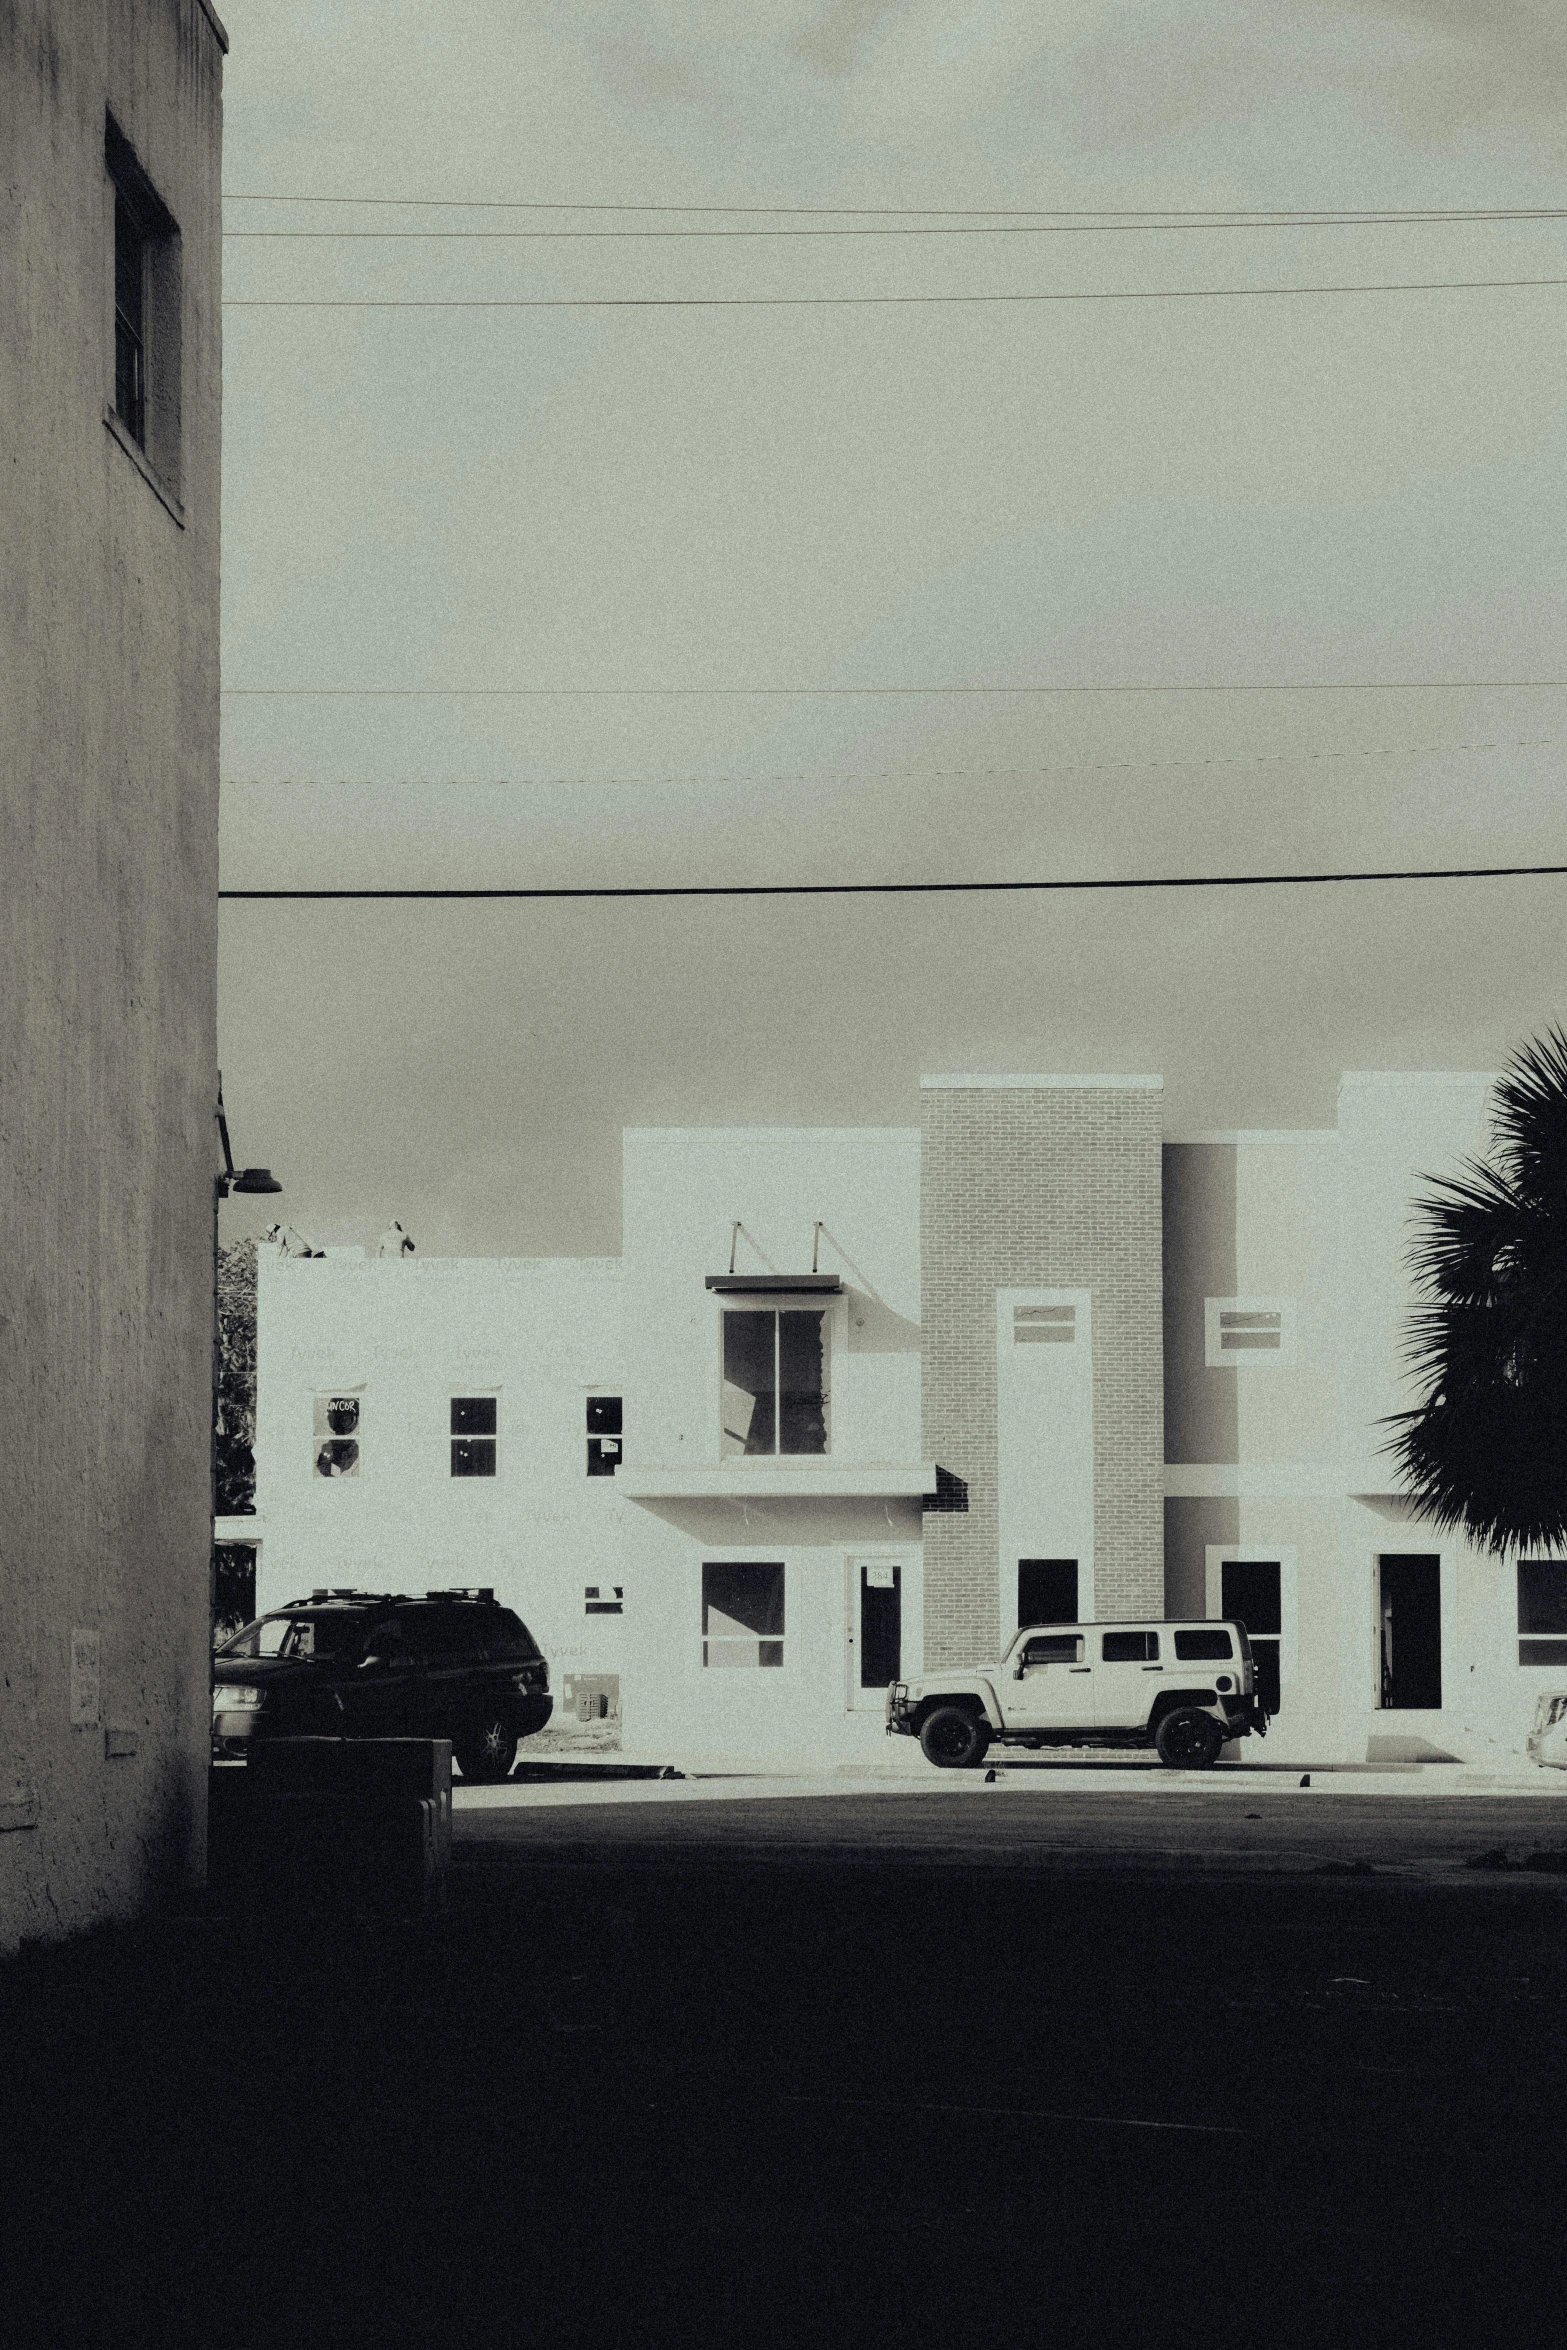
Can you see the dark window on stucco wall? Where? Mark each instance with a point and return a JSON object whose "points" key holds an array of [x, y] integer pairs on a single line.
{"points": [[603, 1435], [147, 313]]}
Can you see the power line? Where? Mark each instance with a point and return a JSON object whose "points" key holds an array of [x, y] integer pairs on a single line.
{"points": [[927, 211], [1436, 685], [1074, 228], [858, 889], [1468, 285], [874, 775]]}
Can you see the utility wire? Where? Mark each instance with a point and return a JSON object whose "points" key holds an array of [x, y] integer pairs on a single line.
{"points": [[1466, 285], [1076, 228], [1435, 685], [860, 889], [875, 775], [928, 211]]}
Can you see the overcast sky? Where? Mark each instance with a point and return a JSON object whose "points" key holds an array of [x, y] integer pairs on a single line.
{"points": [[1341, 489]]}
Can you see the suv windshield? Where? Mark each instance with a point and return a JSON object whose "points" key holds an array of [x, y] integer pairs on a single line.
{"points": [[340, 1633]]}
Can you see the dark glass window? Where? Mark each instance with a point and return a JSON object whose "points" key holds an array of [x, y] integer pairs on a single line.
{"points": [[742, 1612], [1054, 1648], [603, 1435], [474, 1420], [130, 348], [1252, 1594], [775, 1382], [1046, 1591], [604, 1599], [1128, 1648], [1542, 1596], [508, 1638], [1202, 1647]]}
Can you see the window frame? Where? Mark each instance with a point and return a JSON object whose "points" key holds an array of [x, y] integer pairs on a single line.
{"points": [[831, 1312], [152, 437], [456, 1437], [761, 1640], [1556, 1641]]}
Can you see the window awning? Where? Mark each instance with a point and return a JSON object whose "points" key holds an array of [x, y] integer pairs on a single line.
{"points": [[776, 1284]]}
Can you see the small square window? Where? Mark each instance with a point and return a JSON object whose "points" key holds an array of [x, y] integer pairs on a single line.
{"points": [[337, 1435], [604, 1599], [742, 1613], [1044, 1325], [1248, 1330], [473, 1428], [604, 1435]]}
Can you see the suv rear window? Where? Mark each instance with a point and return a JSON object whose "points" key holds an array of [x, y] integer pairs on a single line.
{"points": [[507, 1637], [1201, 1647]]}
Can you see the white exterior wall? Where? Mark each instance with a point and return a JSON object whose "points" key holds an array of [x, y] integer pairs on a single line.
{"points": [[684, 1192], [410, 1334]]}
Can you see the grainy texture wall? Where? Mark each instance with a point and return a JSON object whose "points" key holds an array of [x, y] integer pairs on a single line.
{"points": [[1049, 1187], [108, 917]]}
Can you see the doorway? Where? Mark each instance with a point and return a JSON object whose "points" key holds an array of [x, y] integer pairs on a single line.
{"points": [[1046, 1591], [875, 1619], [1251, 1592], [1409, 1631]]}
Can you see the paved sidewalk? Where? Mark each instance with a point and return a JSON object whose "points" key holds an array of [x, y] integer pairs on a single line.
{"points": [[557, 1780]]}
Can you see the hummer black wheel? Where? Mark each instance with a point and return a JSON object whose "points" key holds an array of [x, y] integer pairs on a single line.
{"points": [[1188, 1740], [953, 1739], [486, 1753]]}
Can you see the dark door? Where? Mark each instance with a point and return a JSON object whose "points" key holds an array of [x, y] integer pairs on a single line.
{"points": [[1046, 1591], [1409, 1618], [1251, 1594]]}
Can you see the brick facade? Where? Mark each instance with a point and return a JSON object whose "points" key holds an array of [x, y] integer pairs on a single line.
{"points": [[1055, 1185]]}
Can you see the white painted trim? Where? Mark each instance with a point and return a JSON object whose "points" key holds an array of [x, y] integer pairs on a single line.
{"points": [[1048, 1084], [1258, 1134], [769, 1480], [1259, 1480]]}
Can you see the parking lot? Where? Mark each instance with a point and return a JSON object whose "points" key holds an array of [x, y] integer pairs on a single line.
{"points": [[865, 2064]]}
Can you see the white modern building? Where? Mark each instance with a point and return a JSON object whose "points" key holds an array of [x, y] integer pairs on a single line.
{"points": [[856, 1400]]}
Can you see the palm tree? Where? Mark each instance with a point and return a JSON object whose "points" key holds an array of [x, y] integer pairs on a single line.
{"points": [[1486, 1451]]}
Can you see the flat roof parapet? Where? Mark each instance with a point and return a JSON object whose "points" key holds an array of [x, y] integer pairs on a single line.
{"points": [[1111, 1084]]}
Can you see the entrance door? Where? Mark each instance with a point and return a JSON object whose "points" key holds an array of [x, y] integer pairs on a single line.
{"points": [[1409, 1631], [1251, 1594], [875, 1617]]}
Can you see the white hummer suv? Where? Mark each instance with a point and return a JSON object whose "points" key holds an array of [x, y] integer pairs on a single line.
{"points": [[1182, 1688]]}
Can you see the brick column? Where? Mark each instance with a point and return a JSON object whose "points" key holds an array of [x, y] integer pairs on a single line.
{"points": [[1048, 1183]]}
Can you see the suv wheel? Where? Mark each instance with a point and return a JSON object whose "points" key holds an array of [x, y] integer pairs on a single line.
{"points": [[954, 1739], [1188, 1740], [486, 1752]]}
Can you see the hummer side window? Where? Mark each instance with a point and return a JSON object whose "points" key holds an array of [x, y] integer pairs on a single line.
{"points": [[1053, 1648], [1130, 1648]]}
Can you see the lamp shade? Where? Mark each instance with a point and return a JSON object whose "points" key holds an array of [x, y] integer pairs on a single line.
{"points": [[254, 1179]]}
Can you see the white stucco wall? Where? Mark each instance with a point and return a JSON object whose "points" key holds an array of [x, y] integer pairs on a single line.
{"points": [[108, 971]]}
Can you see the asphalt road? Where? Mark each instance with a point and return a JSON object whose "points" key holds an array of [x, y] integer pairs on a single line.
{"points": [[981, 2065], [1019, 1825]]}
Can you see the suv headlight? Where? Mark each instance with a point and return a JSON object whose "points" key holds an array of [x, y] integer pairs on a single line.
{"points": [[233, 1701]]}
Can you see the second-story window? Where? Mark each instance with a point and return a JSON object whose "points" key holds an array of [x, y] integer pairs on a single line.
{"points": [[145, 408], [474, 1424], [603, 1435], [775, 1382]]}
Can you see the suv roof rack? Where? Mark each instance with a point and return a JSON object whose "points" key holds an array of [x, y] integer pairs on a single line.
{"points": [[485, 1592], [339, 1591]]}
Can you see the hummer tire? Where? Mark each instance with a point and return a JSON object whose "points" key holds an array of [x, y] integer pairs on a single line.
{"points": [[954, 1739], [1188, 1739]]}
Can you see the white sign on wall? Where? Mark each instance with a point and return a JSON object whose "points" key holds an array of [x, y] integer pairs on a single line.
{"points": [[86, 1680]]}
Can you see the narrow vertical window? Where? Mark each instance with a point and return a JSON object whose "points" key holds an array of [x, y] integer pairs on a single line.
{"points": [[474, 1421], [603, 1435], [130, 333]]}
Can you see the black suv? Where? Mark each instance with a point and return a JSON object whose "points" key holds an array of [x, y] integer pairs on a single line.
{"points": [[358, 1664]]}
